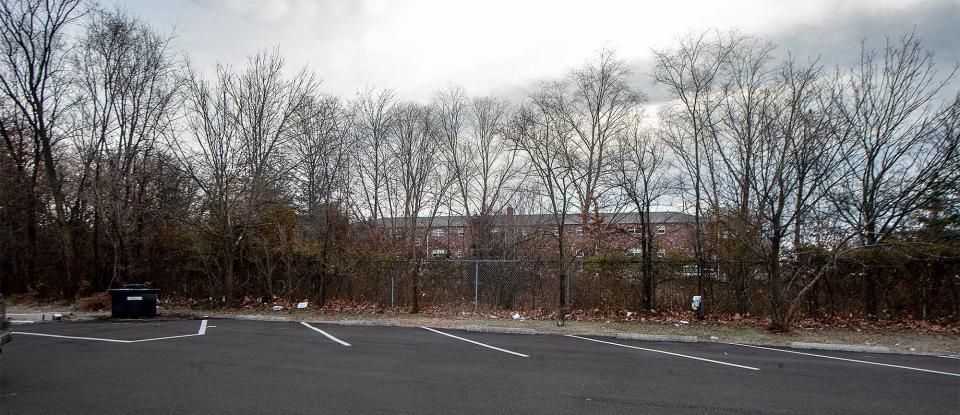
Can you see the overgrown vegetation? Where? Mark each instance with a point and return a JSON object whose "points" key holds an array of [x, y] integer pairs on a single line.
{"points": [[816, 192]]}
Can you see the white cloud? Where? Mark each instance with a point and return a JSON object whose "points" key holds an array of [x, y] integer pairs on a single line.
{"points": [[487, 46]]}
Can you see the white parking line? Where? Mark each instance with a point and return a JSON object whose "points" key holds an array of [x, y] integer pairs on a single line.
{"points": [[847, 360], [664, 352], [475, 342], [24, 333], [165, 338], [325, 334], [202, 331]]}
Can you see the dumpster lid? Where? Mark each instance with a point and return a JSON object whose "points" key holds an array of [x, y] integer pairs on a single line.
{"points": [[134, 287]]}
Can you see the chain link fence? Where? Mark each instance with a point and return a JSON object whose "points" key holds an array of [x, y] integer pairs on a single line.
{"points": [[617, 285], [480, 285]]}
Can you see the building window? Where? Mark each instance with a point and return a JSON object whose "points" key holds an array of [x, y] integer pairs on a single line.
{"points": [[661, 253], [495, 230], [634, 231], [439, 232], [416, 242], [556, 232], [579, 230], [460, 230], [438, 253], [661, 230], [459, 253], [635, 252]]}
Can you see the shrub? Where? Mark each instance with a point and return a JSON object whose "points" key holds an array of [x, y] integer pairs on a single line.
{"points": [[96, 302]]}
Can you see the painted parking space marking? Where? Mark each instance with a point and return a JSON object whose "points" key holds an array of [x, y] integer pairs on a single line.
{"points": [[202, 331], [475, 342], [329, 336], [664, 352], [24, 333], [847, 360]]}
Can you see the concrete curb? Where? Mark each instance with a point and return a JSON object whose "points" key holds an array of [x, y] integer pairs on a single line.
{"points": [[656, 337], [620, 336], [48, 316], [494, 329], [358, 323], [842, 347], [258, 317]]}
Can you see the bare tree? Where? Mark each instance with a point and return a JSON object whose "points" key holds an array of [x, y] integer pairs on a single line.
{"points": [[127, 84], [496, 159], [423, 180], [545, 139], [745, 95], [239, 125], [482, 162], [20, 203], [323, 147], [796, 165], [691, 75], [892, 107], [643, 176], [35, 80], [374, 115], [596, 103], [452, 112], [746, 79]]}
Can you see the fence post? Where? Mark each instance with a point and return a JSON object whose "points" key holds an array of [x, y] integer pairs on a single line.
{"points": [[476, 285]]}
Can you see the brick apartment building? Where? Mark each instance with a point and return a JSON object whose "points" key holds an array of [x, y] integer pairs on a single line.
{"points": [[512, 236]]}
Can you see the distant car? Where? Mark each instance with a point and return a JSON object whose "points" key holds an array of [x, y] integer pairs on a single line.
{"points": [[5, 330]]}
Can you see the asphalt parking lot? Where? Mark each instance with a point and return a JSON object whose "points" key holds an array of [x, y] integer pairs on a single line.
{"points": [[231, 367]]}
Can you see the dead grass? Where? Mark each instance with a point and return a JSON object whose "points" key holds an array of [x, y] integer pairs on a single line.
{"points": [[921, 342], [95, 302], [32, 299]]}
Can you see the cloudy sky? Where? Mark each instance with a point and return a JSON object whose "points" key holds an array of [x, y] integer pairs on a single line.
{"points": [[502, 47]]}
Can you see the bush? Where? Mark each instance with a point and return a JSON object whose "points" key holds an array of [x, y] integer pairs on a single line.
{"points": [[96, 302]]}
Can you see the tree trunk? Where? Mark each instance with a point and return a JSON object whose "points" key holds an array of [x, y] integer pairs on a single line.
{"points": [[227, 252], [562, 308], [414, 277], [870, 302], [648, 288], [702, 309], [779, 308]]}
